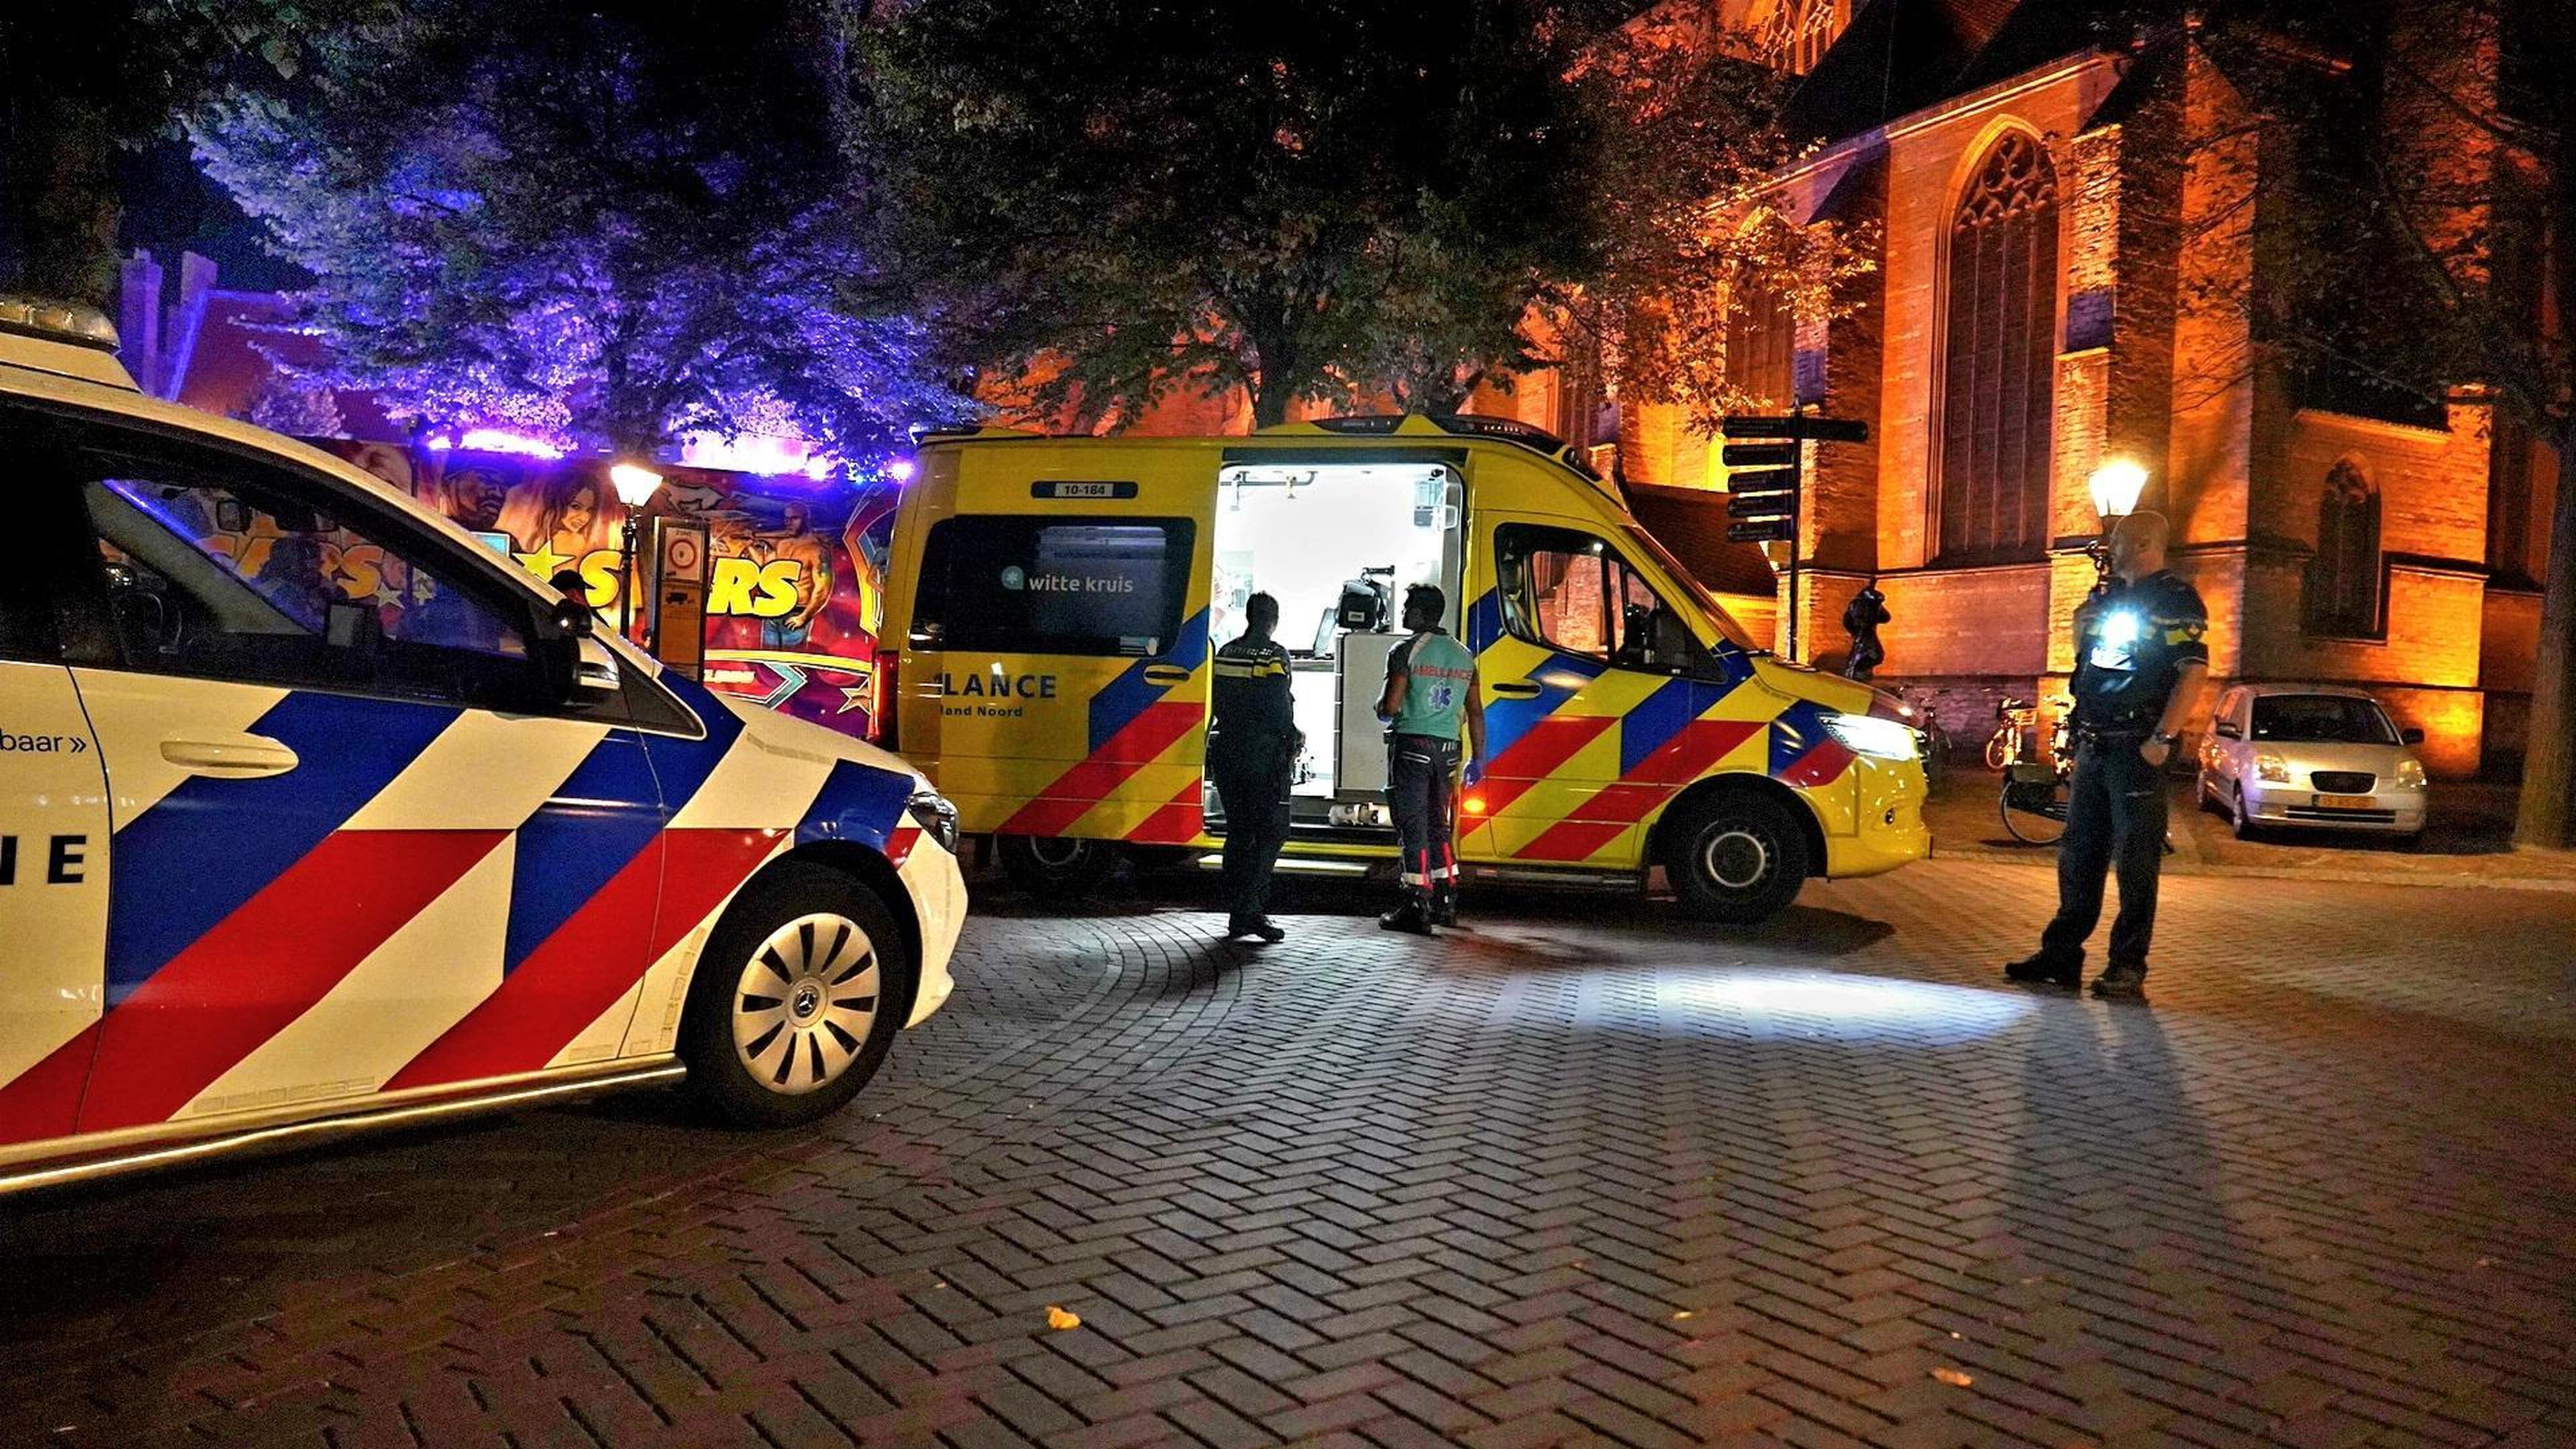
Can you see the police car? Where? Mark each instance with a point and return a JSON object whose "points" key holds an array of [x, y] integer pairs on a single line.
{"points": [[315, 814]]}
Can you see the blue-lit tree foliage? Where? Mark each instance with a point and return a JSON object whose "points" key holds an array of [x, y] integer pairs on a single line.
{"points": [[612, 224]]}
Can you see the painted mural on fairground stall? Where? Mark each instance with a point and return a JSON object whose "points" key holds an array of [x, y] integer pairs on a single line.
{"points": [[796, 578]]}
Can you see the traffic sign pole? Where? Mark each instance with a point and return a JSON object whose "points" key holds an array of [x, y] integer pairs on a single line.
{"points": [[1765, 482]]}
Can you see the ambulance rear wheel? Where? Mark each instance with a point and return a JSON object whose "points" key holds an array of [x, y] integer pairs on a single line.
{"points": [[1054, 868], [796, 999], [1736, 858]]}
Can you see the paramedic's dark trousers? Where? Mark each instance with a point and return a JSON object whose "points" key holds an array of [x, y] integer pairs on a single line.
{"points": [[2115, 822], [1256, 825], [1418, 771]]}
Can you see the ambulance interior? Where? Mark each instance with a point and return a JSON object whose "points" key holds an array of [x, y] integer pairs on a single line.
{"points": [[1308, 534]]}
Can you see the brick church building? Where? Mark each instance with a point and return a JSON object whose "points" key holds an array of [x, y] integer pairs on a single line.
{"points": [[2065, 213]]}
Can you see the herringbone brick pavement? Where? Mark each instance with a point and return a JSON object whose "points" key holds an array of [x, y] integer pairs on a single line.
{"points": [[1580, 1174]]}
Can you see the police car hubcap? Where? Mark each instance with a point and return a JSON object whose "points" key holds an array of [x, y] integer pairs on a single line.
{"points": [[805, 1002], [1735, 859]]}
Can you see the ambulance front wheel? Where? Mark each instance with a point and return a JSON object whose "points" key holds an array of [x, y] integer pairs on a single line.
{"points": [[1053, 867], [1736, 858], [796, 999]]}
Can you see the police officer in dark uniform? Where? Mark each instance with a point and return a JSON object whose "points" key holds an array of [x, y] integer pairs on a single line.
{"points": [[2139, 661], [1253, 746]]}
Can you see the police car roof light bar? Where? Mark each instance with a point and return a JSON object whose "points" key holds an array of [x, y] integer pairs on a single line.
{"points": [[58, 322]]}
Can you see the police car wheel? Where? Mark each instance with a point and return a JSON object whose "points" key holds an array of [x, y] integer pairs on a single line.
{"points": [[1053, 867], [1736, 858], [796, 999]]}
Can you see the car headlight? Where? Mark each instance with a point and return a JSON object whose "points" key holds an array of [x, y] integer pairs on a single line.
{"points": [[1867, 735], [2410, 774], [2271, 769], [936, 817]]}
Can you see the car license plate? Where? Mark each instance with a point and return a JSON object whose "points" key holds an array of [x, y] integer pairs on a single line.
{"points": [[2345, 802]]}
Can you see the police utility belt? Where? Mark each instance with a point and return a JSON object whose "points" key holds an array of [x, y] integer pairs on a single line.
{"points": [[2119, 729]]}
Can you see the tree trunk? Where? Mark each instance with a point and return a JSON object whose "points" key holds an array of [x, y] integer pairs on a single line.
{"points": [[1273, 364], [2546, 813], [1269, 403], [1457, 391]]}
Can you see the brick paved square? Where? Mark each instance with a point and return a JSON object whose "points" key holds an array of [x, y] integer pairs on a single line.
{"points": [[1580, 1174]]}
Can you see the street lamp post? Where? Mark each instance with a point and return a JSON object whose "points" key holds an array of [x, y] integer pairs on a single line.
{"points": [[635, 485], [2115, 486]]}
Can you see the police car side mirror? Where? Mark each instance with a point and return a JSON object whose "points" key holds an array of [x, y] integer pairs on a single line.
{"points": [[2410, 735], [2226, 730]]}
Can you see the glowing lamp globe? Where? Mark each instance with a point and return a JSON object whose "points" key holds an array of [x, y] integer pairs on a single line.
{"points": [[2116, 486], [634, 483]]}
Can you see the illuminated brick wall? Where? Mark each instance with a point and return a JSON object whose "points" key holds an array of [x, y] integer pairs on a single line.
{"points": [[2162, 198]]}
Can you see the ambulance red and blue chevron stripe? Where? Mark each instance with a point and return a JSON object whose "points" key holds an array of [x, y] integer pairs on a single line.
{"points": [[279, 858], [1056, 600]]}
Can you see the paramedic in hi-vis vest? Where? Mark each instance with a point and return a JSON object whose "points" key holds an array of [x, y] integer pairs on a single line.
{"points": [[1253, 747], [1430, 692]]}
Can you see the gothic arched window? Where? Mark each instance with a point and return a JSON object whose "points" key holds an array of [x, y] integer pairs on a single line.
{"points": [[1798, 34], [2343, 577], [1999, 367]]}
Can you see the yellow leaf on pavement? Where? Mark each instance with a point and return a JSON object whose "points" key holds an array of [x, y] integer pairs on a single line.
{"points": [[1059, 1318], [1952, 1377]]}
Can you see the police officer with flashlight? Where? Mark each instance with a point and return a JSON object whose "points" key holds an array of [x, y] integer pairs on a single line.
{"points": [[2139, 661]]}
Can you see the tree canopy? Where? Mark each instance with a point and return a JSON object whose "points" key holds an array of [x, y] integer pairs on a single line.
{"points": [[88, 80], [614, 224], [1317, 202]]}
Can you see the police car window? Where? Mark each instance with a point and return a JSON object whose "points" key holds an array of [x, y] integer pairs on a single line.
{"points": [[1043, 585], [227, 578], [44, 600]]}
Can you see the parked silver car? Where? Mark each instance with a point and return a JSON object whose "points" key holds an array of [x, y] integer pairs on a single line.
{"points": [[2315, 756]]}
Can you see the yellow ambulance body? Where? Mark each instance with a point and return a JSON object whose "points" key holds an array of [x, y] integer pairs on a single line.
{"points": [[1053, 603]]}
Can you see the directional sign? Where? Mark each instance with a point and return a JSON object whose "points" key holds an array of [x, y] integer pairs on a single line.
{"points": [[1762, 483], [1822, 430], [1759, 455]]}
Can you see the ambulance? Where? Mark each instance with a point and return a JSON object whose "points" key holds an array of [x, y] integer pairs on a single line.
{"points": [[1054, 602], [316, 814]]}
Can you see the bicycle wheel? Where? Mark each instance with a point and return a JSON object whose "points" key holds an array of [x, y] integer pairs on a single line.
{"points": [[2035, 826], [1999, 748]]}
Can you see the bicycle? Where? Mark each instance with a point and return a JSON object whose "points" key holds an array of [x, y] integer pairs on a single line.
{"points": [[2035, 793], [2014, 721], [1936, 740]]}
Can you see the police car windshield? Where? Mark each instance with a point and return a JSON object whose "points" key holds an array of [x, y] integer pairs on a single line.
{"points": [[1727, 628]]}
